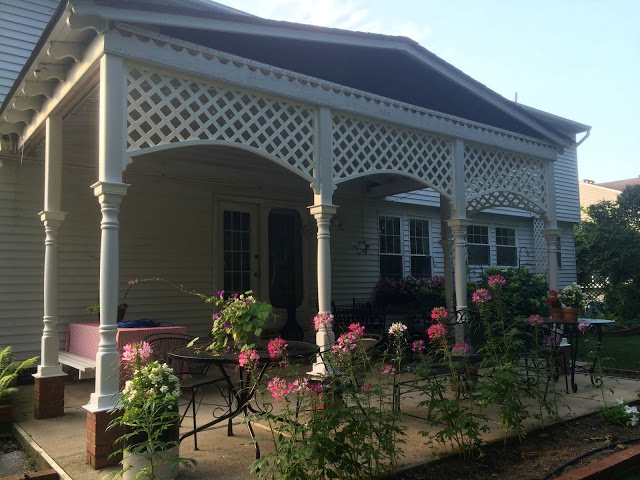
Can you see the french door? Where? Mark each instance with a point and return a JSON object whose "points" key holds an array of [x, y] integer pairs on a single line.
{"points": [[238, 247]]}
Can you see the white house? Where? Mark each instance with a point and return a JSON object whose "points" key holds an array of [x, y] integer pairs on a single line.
{"points": [[190, 141]]}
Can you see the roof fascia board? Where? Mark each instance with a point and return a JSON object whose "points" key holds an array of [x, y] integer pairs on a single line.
{"points": [[75, 79], [334, 36], [236, 72]]}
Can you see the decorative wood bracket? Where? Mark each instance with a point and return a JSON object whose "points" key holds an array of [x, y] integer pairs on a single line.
{"points": [[14, 116], [7, 128], [38, 88], [60, 50], [47, 71], [27, 103], [86, 22]]}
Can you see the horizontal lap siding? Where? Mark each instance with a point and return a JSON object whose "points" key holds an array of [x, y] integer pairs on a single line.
{"points": [[21, 24], [567, 192]]}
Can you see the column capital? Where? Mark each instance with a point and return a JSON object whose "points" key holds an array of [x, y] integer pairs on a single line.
{"points": [[323, 209], [110, 188], [551, 233], [458, 225], [52, 217]]}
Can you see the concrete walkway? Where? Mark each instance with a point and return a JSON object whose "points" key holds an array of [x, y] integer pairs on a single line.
{"points": [[63, 439]]}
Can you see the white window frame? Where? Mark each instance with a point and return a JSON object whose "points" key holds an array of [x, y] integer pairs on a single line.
{"points": [[399, 254], [514, 246], [427, 254]]}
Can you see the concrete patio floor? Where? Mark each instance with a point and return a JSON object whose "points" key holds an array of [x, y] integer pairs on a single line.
{"points": [[63, 439]]}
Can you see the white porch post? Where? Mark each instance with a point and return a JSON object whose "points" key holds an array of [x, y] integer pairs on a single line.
{"points": [[446, 242], [458, 227], [109, 190], [52, 217], [551, 232], [323, 209]]}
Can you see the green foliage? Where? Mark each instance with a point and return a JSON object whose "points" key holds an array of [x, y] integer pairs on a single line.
{"points": [[623, 302], [9, 371], [608, 244], [617, 415], [524, 294], [344, 427]]}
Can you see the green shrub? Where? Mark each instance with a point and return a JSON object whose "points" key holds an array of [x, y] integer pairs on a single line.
{"points": [[623, 302], [524, 294]]}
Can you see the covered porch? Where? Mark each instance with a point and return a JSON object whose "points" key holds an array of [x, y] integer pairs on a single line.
{"points": [[200, 158]]}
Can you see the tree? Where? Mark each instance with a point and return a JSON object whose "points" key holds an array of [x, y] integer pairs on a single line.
{"points": [[608, 244]]}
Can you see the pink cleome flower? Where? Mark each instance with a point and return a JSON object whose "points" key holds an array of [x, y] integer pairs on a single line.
{"points": [[418, 346], [278, 387], [276, 348], [131, 350], [357, 329], [322, 318], [439, 315], [460, 348], [436, 331], [535, 320], [388, 370], [248, 359], [481, 296], [497, 281]]}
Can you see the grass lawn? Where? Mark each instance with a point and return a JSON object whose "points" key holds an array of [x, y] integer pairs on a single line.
{"points": [[616, 352]]}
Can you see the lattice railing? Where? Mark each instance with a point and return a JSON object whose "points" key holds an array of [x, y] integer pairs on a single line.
{"points": [[362, 147], [168, 108], [540, 246], [499, 178]]}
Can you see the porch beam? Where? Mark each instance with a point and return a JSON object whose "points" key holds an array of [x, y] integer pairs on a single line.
{"points": [[284, 84], [52, 218]]}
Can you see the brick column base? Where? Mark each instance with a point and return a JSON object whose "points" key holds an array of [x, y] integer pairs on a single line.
{"points": [[49, 401], [100, 441]]}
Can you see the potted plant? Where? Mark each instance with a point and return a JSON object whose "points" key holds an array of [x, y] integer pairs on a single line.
{"points": [[94, 308], [9, 371], [149, 416], [555, 306], [572, 299]]}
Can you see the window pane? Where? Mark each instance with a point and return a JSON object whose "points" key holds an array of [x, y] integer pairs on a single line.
{"points": [[391, 266], [421, 266], [506, 236], [506, 256], [478, 254]]}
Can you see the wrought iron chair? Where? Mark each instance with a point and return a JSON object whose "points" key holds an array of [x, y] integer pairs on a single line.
{"points": [[192, 373]]}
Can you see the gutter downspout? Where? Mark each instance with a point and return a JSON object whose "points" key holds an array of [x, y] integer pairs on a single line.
{"points": [[586, 135]]}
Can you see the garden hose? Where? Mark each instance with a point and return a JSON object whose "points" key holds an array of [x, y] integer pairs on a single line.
{"points": [[577, 459]]}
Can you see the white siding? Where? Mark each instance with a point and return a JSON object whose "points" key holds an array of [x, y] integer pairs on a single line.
{"points": [[567, 194], [21, 24]]}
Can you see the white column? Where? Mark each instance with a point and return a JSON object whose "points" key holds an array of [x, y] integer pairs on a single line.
{"points": [[52, 218], [551, 231], [551, 235], [322, 210], [446, 242], [110, 190], [459, 228]]}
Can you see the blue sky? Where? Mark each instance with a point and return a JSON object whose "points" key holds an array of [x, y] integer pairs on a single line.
{"points": [[576, 59]]}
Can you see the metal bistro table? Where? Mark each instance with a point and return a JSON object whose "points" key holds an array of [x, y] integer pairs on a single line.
{"points": [[571, 330], [242, 391]]}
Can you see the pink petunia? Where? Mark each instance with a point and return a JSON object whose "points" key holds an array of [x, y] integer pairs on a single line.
{"points": [[497, 281], [535, 320]]}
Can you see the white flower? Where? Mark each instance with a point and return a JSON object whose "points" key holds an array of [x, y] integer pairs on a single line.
{"points": [[397, 328], [164, 389], [176, 392], [173, 379]]}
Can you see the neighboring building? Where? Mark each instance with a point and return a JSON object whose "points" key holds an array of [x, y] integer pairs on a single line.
{"points": [[591, 192], [200, 130]]}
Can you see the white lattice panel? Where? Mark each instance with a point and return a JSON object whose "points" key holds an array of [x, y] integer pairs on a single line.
{"points": [[361, 146], [540, 246], [165, 109], [498, 178]]}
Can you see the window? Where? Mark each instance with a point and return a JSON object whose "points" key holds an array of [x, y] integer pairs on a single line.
{"points": [[506, 251], [478, 245], [419, 248], [390, 247], [236, 251]]}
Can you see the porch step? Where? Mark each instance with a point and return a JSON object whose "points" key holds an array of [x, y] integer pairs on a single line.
{"points": [[86, 367]]}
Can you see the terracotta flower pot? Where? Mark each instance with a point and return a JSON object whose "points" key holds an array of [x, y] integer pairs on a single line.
{"points": [[570, 314], [556, 313]]}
